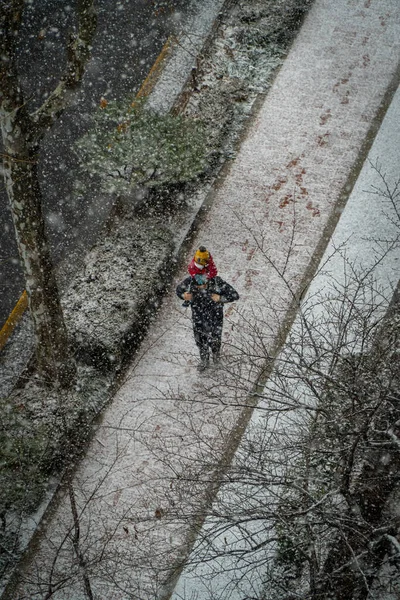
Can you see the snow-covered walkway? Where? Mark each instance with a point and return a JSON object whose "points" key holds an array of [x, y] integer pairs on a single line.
{"points": [[268, 218], [353, 253]]}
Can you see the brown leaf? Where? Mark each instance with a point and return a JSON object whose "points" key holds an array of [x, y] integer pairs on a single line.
{"points": [[158, 513]]}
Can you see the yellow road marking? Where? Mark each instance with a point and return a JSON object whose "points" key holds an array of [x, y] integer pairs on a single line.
{"points": [[13, 319], [155, 71], [144, 91]]}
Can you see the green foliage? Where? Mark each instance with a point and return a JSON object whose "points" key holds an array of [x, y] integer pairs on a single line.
{"points": [[41, 430], [129, 145], [25, 449], [25, 453]]}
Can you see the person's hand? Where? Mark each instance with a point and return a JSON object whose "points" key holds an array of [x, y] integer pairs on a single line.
{"points": [[187, 296], [216, 297]]}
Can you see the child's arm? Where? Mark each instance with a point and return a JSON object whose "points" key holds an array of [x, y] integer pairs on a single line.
{"points": [[212, 270]]}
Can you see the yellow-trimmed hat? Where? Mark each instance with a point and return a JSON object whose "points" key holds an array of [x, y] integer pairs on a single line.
{"points": [[202, 256]]}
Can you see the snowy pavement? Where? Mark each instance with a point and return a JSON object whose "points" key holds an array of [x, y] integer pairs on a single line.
{"points": [[264, 225], [367, 218]]}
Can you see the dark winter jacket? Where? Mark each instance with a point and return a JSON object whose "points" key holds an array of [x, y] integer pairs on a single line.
{"points": [[205, 312]]}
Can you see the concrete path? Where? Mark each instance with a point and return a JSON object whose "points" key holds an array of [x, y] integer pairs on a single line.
{"points": [[271, 214], [365, 245]]}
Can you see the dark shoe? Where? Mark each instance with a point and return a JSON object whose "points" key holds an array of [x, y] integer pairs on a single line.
{"points": [[202, 366], [216, 358]]}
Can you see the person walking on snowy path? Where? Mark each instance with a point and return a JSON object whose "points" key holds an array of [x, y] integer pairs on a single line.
{"points": [[206, 298]]}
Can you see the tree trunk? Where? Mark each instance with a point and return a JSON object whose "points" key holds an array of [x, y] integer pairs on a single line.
{"points": [[21, 176], [21, 134]]}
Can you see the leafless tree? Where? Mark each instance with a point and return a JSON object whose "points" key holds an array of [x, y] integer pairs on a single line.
{"points": [[306, 507]]}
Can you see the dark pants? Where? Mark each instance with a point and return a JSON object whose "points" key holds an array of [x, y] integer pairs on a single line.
{"points": [[206, 338]]}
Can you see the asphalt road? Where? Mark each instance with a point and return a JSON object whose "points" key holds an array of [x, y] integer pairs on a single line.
{"points": [[130, 35]]}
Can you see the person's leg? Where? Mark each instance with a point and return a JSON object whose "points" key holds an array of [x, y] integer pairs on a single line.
{"points": [[201, 339], [215, 342]]}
